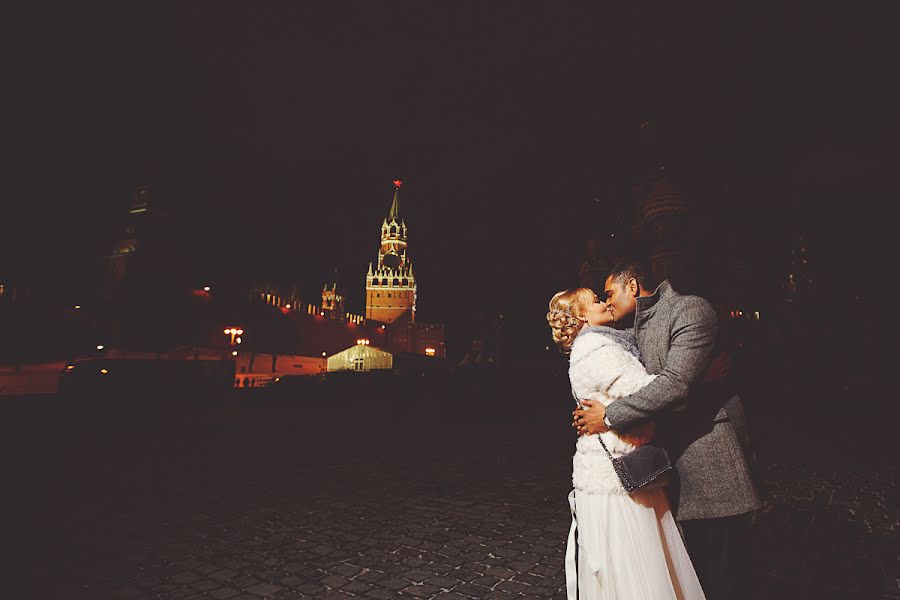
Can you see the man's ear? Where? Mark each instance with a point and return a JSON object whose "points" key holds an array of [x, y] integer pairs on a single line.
{"points": [[634, 288]]}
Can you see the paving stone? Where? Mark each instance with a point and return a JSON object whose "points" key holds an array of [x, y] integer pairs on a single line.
{"points": [[205, 585], [310, 588], [394, 583], [263, 589], [381, 594], [512, 586], [500, 572], [416, 575], [471, 589], [334, 581], [443, 582], [421, 591], [244, 581], [185, 577], [370, 576], [223, 575], [486, 581], [356, 587]]}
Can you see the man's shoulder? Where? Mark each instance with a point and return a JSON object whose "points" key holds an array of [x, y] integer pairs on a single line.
{"points": [[688, 306]]}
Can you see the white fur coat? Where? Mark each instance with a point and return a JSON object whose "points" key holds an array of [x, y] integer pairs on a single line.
{"points": [[600, 369]]}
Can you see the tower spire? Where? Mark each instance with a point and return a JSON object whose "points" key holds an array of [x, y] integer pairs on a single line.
{"points": [[395, 205]]}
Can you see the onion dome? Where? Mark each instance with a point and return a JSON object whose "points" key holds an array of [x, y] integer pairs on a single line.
{"points": [[663, 201]]}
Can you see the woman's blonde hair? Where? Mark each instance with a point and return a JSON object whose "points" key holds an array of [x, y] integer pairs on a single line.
{"points": [[567, 314]]}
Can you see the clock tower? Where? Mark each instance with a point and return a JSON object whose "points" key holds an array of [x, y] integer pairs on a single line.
{"points": [[390, 283]]}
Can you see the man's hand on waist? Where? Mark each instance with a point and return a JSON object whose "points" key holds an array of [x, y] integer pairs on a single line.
{"points": [[591, 419]]}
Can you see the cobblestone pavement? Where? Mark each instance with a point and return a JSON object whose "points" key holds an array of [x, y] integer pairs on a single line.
{"points": [[249, 500]]}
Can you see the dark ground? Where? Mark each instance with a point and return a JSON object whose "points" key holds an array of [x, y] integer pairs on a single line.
{"points": [[382, 488]]}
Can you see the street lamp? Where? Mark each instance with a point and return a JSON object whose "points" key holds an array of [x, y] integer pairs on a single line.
{"points": [[234, 332]]}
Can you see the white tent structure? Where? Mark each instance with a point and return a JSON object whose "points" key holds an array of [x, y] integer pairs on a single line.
{"points": [[360, 358]]}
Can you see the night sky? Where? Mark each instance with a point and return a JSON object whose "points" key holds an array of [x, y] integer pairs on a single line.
{"points": [[272, 131]]}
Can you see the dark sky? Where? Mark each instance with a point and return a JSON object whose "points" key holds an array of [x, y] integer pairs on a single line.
{"points": [[273, 130]]}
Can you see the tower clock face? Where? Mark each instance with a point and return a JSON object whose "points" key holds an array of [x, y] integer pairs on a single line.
{"points": [[391, 260]]}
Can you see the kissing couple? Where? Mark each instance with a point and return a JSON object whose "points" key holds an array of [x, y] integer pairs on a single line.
{"points": [[641, 374]]}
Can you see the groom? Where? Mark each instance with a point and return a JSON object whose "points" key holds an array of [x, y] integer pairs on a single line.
{"points": [[712, 494]]}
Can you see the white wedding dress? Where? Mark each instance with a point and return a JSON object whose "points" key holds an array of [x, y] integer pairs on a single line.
{"points": [[628, 545]]}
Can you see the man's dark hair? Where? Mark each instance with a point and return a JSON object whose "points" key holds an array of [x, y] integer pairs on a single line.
{"points": [[624, 272]]}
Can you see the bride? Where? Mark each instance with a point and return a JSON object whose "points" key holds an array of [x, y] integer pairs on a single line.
{"points": [[628, 545]]}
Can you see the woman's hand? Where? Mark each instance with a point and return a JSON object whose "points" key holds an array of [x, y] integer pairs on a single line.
{"points": [[589, 420]]}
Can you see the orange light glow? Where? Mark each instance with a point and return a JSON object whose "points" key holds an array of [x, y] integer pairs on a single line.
{"points": [[429, 351]]}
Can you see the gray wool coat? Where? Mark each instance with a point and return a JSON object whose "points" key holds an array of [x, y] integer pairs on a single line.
{"points": [[676, 335]]}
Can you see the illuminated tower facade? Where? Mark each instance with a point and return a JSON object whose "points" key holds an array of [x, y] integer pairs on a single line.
{"points": [[139, 237], [390, 283], [332, 299]]}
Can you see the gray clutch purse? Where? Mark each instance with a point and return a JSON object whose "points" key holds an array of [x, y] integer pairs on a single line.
{"points": [[644, 468]]}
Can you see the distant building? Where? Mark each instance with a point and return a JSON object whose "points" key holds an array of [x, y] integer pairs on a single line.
{"points": [[654, 222], [142, 237], [391, 291], [390, 283], [333, 299], [361, 357]]}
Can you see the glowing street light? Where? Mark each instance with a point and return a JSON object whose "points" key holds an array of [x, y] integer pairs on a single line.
{"points": [[429, 351], [205, 288], [234, 332], [77, 307], [100, 346], [234, 352]]}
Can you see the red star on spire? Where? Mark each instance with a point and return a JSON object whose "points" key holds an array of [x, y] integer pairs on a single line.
{"points": [[397, 183]]}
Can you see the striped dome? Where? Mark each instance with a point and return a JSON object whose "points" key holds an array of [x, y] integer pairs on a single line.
{"points": [[663, 201]]}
